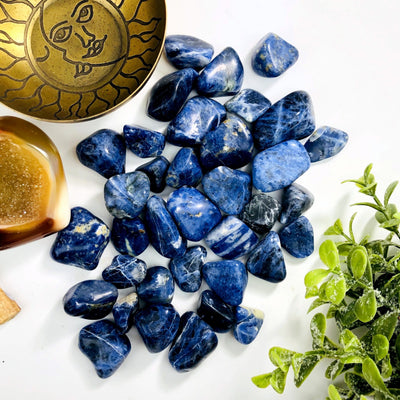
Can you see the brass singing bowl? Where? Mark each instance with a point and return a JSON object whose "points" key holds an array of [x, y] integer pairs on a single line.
{"points": [[71, 60]]}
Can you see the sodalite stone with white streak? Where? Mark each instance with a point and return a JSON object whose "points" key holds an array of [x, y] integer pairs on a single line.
{"points": [[248, 324], [295, 201], [156, 171], [297, 238], [144, 142], [83, 241], [124, 310], [231, 238]]}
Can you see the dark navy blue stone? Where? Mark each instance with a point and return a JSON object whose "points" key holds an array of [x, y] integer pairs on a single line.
{"points": [[157, 286], [82, 242], [230, 144], [290, 118], [227, 278], [157, 324], [104, 151], [91, 299], [219, 315], [164, 234], [156, 171], [125, 271], [105, 346], [125, 195], [231, 238], [223, 76], [129, 236], [144, 142], [266, 260], [194, 214], [186, 269], [185, 51], [272, 56], [279, 166], [124, 310], [297, 238], [198, 116], [248, 324], [194, 342], [229, 189], [185, 169], [325, 142], [295, 201], [170, 93], [248, 104]]}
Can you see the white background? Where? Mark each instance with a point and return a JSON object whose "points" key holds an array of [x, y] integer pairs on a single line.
{"points": [[349, 63]]}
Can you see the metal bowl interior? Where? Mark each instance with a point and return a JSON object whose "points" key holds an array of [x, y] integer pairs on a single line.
{"points": [[71, 60]]}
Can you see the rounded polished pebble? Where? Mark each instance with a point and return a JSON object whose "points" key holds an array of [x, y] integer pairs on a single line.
{"points": [[125, 271], [157, 286], [125, 195], [82, 242], [157, 324], [248, 322], [124, 310], [156, 171], [295, 201], [90, 299], [297, 238], [144, 142], [104, 152], [105, 346]]}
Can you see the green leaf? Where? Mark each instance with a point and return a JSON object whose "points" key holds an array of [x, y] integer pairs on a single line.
{"points": [[350, 341], [384, 325], [278, 380], [357, 384], [316, 303], [311, 292], [367, 173], [335, 229], [262, 381], [380, 346], [386, 367], [329, 254], [351, 227], [372, 376], [344, 248], [397, 346], [335, 289], [346, 316], [357, 261], [390, 223], [318, 329], [372, 205], [302, 365], [365, 307], [369, 189], [391, 210], [334, 369], [315, 276], [281, 358], [333, 393], [389, 192]]}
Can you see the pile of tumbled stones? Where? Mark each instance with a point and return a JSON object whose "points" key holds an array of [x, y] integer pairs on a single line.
{"points": [[215, 199]]}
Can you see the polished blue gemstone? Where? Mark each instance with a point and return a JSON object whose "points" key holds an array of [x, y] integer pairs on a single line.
{"points": [[227, 278], [279, 166], [198, 116], [186, 269], [156, 171], [272, 56], [90, 299], [248, 104], [195, 341], [295, 201], [170, 93], [157, 324], [248, 324], [230, 144], [83, 241], [297, 238], [184, 169], [290, 118], [266, 260], [125, 195], [228, 188], [105, 346], [194, 214], [129, 236], [144, 142], [124, 310], [157, 286], [163, 232], [325, 142]]}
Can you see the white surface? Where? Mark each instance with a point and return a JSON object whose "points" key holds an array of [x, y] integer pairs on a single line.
{"points": [[349, 58]]}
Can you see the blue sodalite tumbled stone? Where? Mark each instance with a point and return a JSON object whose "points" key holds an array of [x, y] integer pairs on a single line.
{"points": [[297, 238], [185, 169], [229, 189], [186, 269], [198, 116], [227, 278], [104, 151], [230, 144], [90, 299], [163, 232], [170, 93], [194, 342], [290, 118], [105, 346], [295, 201], [157, 324], [248, 104], [231, 238], [82, 242], [144, 142], [194, 213], [185, 51], [279, 166], [248, 322], [124, 310], [273, 56], [325, 142], [266, 260], [157, 286], [125, 195], [223, 76], [125, 271], [156, 171]]}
